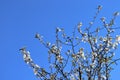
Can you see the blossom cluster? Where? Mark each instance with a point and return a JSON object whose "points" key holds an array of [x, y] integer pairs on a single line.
{"points": [[38, 71], [84, 55]]}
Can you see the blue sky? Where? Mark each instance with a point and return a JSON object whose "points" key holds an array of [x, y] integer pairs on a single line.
{"points": [[21, 19]]}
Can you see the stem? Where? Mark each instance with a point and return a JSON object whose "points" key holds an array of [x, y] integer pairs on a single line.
{"points": [[80, 74]]}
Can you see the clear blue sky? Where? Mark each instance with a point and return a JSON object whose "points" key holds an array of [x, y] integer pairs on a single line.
{"points": [[21, 19]]}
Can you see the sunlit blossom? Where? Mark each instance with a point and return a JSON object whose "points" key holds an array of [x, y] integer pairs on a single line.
{"points": [[79, 25], [48, 43], [37, 35], [95, 40], [103, 19], [58, 29], [114, 45], [84, 34], [98, 29], [36, 66], [87, 69], [72, 77], [91, 23], [118, 38], [60, 58], [93, 64], [103, 77], [94, 54], [99, 7], [54, 49], [35, 71], [27, 58], [116, 14]]}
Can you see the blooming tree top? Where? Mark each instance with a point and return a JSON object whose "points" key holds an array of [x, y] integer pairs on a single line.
{"points": [[70, 60]]}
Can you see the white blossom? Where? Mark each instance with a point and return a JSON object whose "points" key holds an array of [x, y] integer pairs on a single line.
{"points": [[99, 7], [91, 23], [52, 77], [118, 38], [77, 38], [87, 69], [84, 39], [36, 66], [67, 53], [76, 74], [72, 77], [58, 29], [84, 34], [114, 45], [23, 50], [79, 25], [81, 53], [52, 66], [103, 77], [107, 49], [116, 14], [48, 43], [83, 56], [104, 39], [60, 58], [95, 40], [98, 29], [37, 35], [94, 54], [103, 19], [54, 49], [63, 35], [35, 71], [92, 64], [27, 58]]}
